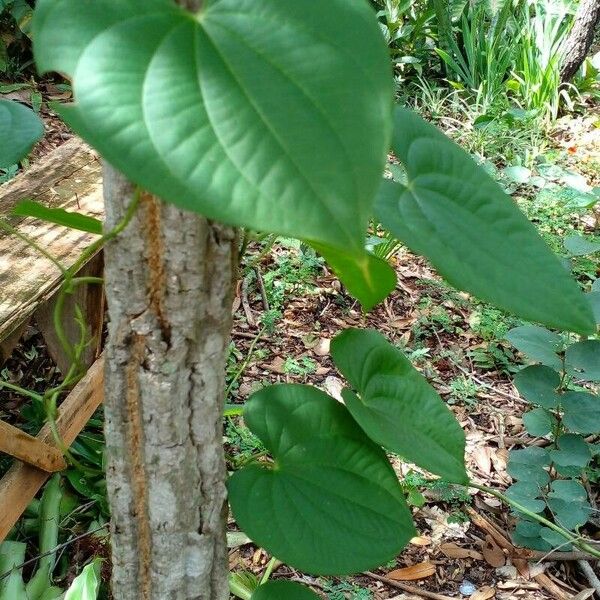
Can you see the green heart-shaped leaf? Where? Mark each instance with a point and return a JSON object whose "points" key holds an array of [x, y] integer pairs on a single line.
{"points": [[528, 465], [453, 213], [539, 421], [368, 278], [581, 412], [397, 408], [527, 494], [331, 503], [221, 114], [583, 359], [569, 503], [538, 384], [529, 535], [572, 455], [538, 344], [283, 590], [20, 129]]}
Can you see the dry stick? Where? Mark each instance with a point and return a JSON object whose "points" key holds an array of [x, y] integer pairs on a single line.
{"points": [[261, 285], [244, 334], [514, 552], [578, 541], [544, 581], [484, 384], [592, 578], [481, 382], [246, 303], [411, 589]]}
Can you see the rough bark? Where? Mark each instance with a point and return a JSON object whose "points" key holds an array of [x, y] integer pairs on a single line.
{"points": [[580, 38], [169, 282]]}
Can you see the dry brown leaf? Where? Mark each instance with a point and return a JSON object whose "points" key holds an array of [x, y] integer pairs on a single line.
{"points": [[483, 459], [403, 324], [523, 568], [276, 365], [452, 550], [322, 347], [418, 571], [420, 541], [584, 594], [500, 458], [485, 593], [493, 553]]}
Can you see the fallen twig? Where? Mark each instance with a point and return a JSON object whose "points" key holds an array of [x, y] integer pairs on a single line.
{"points": [[592, 578], [411, 589], [551, 587], [261, 285], [522, 553], [246, 303], [489, 386]]}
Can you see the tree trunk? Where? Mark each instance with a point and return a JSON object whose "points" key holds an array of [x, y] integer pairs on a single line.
{"points": [[580, 39], [169, 282]]}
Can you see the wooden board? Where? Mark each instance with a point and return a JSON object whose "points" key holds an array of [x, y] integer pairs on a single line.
{"points": [[26, 448], [70, 178], [22, 482]]}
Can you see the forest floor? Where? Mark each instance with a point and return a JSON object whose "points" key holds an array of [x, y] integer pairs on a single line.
{"points": [[289, 307]]}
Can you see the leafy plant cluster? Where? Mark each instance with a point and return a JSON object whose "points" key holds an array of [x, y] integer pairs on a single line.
{"points": [[15, 36], [497, 55], [551, 481], [44, 517]]}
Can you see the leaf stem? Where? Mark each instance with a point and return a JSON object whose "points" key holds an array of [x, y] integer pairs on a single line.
{"points": [[22, 391]]}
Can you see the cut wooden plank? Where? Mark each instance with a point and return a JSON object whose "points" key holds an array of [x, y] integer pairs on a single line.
{"points": [[30, 450], [69, 178], [22, 482], [51, 180]]}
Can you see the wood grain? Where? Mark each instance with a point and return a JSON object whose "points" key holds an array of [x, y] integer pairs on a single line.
{"points": [[30, 450], [22, 482], [69, 178]]}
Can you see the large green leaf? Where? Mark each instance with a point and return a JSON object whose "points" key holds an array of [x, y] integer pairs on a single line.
{"points": [[583, 360], [268, 114], [527, 494], [368, 278], [283, 590], [572, 454], [529, 465], [538, 385], [87, 584], [538, 344], [453, 213], [581, 412], [331, 503], [569, 504], [20, 129], [396, 406], [539, 422]]}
